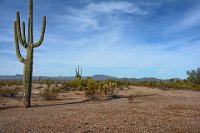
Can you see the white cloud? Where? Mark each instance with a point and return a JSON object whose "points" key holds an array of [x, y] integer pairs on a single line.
{"points": [[115, 7], [77, 23], [89, 18], [108, 50]]}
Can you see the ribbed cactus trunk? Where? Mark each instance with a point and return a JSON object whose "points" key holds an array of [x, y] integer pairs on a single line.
{"points": [[27, 82], [28, 61]]}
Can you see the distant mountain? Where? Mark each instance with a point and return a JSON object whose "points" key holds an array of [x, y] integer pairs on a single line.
{"points": [[149, 79], [14, 77], [20, 77], [96, 77], [141, 79], [103, 77]]}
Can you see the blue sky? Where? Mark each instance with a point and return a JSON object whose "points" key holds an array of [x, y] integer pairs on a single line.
{"points": [[123, 38]]}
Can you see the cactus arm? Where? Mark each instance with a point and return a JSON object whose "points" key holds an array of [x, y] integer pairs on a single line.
{"points": [[29, 25], [42, 33], [19, 56], [23, 32], [30, 22], [21, 40]]}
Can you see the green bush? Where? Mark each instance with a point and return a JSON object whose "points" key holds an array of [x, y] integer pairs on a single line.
{"points": [[91, 90], [95, 89], [75, 84]]}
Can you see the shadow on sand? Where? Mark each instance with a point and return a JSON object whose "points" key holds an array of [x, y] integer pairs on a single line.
{"points": [[74, 101], [46, 105]]}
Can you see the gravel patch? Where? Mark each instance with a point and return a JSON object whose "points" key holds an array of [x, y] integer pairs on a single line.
{"points": [[150, 111]]}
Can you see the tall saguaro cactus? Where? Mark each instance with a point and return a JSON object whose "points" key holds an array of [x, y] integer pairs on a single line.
{"points": [[29, 45], [78, 73]]}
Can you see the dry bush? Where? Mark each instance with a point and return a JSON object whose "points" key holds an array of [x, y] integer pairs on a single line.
{"points": [[11, 82], [91, 94], [11, 92], [50, 93]]}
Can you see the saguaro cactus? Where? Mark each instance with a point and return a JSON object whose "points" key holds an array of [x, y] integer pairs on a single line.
{"points": [[78, 73], [29, 45]]}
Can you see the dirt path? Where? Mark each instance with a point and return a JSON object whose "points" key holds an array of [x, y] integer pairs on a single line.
{"points": [[149, 110]]}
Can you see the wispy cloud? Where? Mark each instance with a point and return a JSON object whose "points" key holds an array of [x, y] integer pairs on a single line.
{"points": [[191, 19], [115, 8], [105, 46], [89, 18], [117, 37]]}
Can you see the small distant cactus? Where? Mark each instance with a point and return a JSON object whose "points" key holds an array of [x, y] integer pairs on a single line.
{"points": [[29, 45], [78, 73]]}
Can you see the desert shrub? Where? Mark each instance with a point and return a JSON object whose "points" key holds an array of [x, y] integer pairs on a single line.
{"points": [[170, 84], [48, 82], [112, 89], [91, 90], [11, 82], [123, 83], [84, 82], [50, 93], [107, 88], [195, 87], [75, 84], [95, 89], [10, 92]]}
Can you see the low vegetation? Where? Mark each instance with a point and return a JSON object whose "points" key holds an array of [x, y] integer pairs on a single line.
{"points": [[191, 83], [11, 82], [170, 84], [50, 93], [93, 88], [11, 92]]}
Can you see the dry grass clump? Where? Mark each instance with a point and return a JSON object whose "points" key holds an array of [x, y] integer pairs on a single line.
{"points": [[11, 92], [50, 93], [11, 82]]}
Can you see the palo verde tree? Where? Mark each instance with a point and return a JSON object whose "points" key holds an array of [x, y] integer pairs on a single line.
{"points": [[194, 76], [29, 45]]}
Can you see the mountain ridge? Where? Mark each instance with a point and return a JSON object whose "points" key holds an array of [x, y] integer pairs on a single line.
{"points": [[96, 77]]}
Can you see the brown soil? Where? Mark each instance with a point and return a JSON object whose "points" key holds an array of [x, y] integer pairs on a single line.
{"points": [[147, 110]]}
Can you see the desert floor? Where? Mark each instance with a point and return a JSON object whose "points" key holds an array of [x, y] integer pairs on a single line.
{"points": [[149, 110]]}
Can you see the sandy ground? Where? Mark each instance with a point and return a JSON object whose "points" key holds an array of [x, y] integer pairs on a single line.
{"points": [[149, 110]]}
